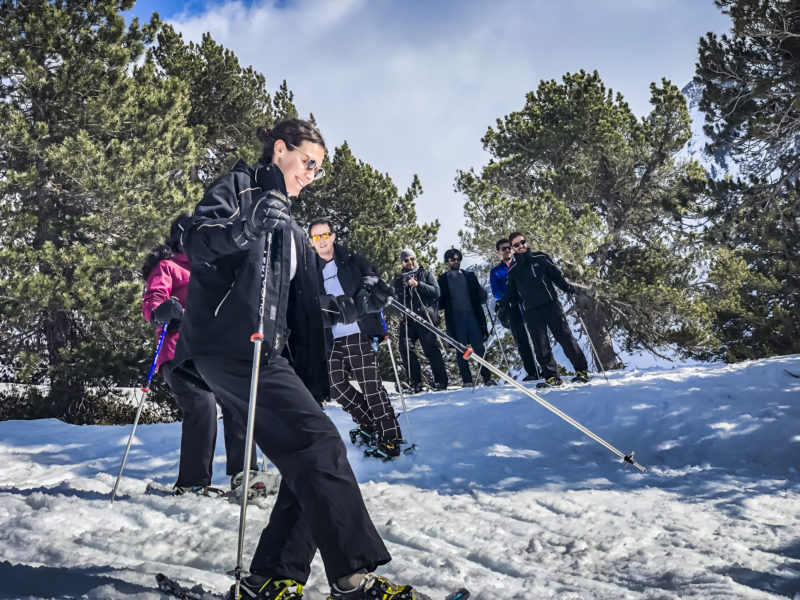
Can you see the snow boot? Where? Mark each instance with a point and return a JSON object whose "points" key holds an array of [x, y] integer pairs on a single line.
{"points": [[374, 588], [385, 451], [271, 589], [364, 436], [199, 490], [262, 483], [530, 378], [581, 377], [550, 382]]}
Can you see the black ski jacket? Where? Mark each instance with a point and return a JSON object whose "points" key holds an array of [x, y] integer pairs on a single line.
{"points": [[477, 295], [421, 299], [351, 268], [531, 279], [225, 286]]}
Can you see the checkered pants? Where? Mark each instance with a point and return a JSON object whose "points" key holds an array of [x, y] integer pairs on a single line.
{"points": [[352, 356]]}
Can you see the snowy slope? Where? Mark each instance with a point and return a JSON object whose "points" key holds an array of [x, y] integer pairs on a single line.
{"points": [[502, 495]]}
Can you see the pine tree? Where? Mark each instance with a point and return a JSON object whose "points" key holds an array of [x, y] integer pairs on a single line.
{"points": [[602, 193], [751, 85], [95, 154]]}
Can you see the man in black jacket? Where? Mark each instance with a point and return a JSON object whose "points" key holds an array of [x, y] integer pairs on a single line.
{"points": [[462, 299], [531, 279], [349, 345], [416, 288]]}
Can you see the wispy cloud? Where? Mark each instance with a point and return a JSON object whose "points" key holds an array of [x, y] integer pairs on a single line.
{"points": [[413, 85]]}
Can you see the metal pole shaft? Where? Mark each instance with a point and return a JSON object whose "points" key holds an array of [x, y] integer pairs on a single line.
{"points": [[257, 338], [494, 331], [399, 389], [468, 353], [145, 391]]}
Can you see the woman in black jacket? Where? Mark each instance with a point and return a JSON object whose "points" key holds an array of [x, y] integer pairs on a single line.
{"points": [[319, 504]]}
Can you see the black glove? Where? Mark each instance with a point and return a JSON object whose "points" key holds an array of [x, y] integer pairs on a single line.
{"points": [[374, 294], [270, 212], [571, 290], [170, 311], [501, 308]]}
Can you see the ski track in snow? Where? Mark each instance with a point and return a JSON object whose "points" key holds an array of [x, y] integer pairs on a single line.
{"points": [[501, 496]]}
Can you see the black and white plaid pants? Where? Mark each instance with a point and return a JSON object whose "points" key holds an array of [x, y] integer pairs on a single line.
{"points": [[352, 356]]}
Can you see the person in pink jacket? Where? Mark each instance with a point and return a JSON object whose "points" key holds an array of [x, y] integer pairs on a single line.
{"points": [[166, 271]]}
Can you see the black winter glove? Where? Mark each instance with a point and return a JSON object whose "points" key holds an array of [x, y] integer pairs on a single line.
{"points": [[502, 307], [374, 294], [270, 212], [170, 311], [571, 290]]}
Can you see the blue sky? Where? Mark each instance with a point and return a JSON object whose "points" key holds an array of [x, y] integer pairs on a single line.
{"points": [[412, 85]]}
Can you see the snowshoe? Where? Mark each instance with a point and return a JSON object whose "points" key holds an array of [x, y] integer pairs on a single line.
{"points": [[374, 588], [262, 484], [175, 490], [364, 436], [271, 589], [550, 382], [581, 377], [386, 451]]}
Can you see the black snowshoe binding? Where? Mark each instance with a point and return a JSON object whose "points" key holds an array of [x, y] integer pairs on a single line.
{"points": [[386, 451], [581, 377], [550, 382], [374, 588], [271, 589], [364, 436]]}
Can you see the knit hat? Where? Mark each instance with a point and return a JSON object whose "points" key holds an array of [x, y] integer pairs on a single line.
{"points": [[452, 253], [406, 253]]}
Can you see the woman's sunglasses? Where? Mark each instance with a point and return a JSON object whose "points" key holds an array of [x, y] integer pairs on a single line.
{"points": [[311, 165]]}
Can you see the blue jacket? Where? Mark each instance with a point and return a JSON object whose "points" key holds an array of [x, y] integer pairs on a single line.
{"points": [[498, 280]]}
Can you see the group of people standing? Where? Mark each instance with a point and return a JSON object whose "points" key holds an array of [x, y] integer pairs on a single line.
{"points": [[320, 324]]}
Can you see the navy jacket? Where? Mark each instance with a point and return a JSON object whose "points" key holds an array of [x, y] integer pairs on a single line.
{"points": [[477, 295]]}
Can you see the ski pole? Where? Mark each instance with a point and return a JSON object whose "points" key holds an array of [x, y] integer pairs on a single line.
{"points": [[257, 338], [588, 337], [467, 353], [145, 391], [494, 332], [397, 381], [530, 343], [430, 320]]}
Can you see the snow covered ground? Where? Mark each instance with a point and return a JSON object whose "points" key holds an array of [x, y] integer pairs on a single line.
{"points": [[502, 496]]}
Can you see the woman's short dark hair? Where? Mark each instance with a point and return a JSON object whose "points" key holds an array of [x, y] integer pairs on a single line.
{"points": [[292, 131], [500, 242], [322, 221]]}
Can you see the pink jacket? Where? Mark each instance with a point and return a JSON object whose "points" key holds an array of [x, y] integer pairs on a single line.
{"points": [[168, 278]]}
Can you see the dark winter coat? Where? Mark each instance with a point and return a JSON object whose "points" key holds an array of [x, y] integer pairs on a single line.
{"points": [[426, 297], [225, 287], [351, 268], [168, 278], [477, 295], [531, 279]]}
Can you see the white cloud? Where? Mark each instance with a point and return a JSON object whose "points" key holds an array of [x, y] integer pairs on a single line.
{"points": [[413, 85]]}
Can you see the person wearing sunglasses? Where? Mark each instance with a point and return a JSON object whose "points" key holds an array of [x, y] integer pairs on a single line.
{"points": [[417, 289], [349, 346], [510, 313], [462, 299], [243, 217], [531, 281]]}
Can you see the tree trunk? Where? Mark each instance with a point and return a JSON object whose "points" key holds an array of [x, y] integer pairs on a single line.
{"points": [[594, 318], [66, 390]]}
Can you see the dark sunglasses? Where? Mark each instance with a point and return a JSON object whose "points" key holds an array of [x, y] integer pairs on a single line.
{"points": [[519, 243], [321, 236], [504, 248], [409, 259], [311, 165]]}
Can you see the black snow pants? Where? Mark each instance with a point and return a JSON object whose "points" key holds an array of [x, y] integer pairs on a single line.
{"points": [[319, 503], [199, 431], [551, 315]]}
